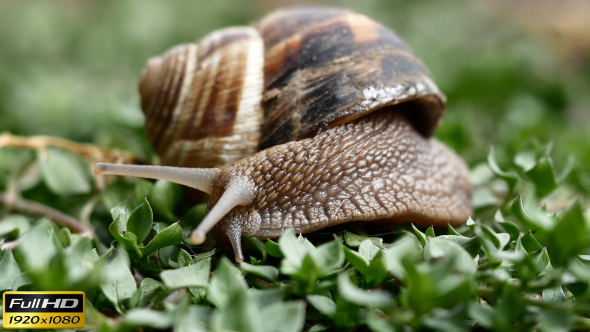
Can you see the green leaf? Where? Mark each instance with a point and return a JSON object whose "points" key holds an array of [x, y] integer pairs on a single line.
{"points": [[471, 244], [64, 172], [555, 320], [266, 272], [141, 221], [122, 211], [204, 255], [329, 256], [354, 240], [118, 283], [530, 243], [407, 248], [188, 276], [273, 249], [510, 178], [164, 197], [357, 260], [438, 248], [184, 258], [421, 236], [10, 270], [239, 314], [569, 237], [36, 248], [257, 245], [554, 294], [323, 304], [368, 250], [283, 317], [146, 318], [543, 176], [143, 188], [430, 233], [65, 237], [361, 297], [170, 236], [14, 225], [531, 222], [226, 284], [145, 294]]}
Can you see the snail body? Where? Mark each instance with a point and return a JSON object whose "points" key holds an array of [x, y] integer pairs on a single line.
{"points": [[339, 109]]}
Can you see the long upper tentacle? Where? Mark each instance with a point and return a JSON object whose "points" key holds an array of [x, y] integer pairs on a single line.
{"points": [[198, 178]]}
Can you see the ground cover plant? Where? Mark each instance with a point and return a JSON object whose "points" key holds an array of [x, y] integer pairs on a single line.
{"points": [[517, 114]]}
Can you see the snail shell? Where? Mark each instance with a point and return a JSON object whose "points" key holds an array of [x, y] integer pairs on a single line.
{"points": [[339, 108]]}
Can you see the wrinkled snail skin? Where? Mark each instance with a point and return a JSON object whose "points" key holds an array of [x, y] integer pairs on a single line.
{"points": [[377, 167], [309, 118]]}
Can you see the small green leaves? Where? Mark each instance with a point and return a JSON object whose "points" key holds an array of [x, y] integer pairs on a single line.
{"points": [[131, 228]]}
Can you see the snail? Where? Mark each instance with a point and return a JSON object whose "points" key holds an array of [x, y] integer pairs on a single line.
{"points": [[308, 118]]}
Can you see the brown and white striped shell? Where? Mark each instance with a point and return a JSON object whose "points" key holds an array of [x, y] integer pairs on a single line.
{"points": [[292, 74]]}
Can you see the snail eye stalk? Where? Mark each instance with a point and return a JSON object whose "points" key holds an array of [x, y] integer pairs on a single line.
{"points": [[198, 178]]}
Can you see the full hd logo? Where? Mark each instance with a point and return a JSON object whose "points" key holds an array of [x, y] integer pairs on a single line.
{"points": [[44, 310]]}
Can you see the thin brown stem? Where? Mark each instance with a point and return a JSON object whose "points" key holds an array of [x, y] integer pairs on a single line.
{"points": [[57, 216], [89, 152]]}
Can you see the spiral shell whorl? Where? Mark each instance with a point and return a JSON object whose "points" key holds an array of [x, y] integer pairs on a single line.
{"points": [[202, 101]]}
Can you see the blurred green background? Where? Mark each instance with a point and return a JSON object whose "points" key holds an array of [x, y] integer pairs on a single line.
{"points": [[513, 72]]}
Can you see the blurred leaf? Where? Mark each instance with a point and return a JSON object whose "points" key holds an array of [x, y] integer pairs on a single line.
{"points": [[164, 197], [554, 294], [405, 248], [10, 270], [555, 320], [269, 273], [188, 276], [239, 314], [118, 283], [145, 294], [143, 188], [361, 297], [284, 317], [323, 304], [510, 178], [14, 225], [569, 237], [64, 172], [354, 240], [543, 176], [146, 318], [226, 284], [36, 248]]}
